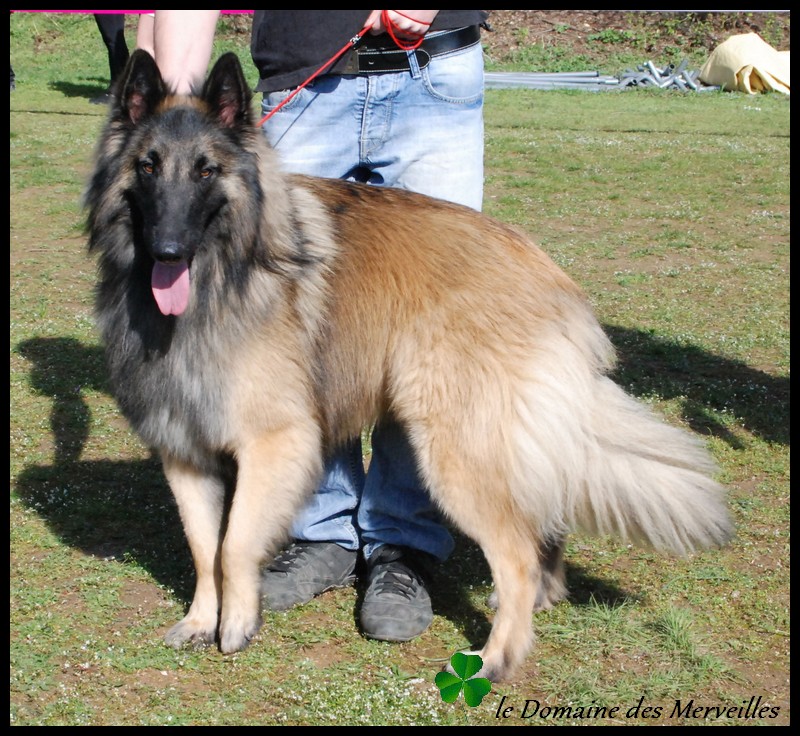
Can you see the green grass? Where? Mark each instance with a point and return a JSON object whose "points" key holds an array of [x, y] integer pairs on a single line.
{"points": [[670, 210]]}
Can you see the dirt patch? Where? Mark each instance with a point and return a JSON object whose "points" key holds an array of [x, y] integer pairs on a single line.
{"points": [[654, 34]]}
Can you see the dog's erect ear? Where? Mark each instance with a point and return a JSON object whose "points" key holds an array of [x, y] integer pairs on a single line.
{"points": [[227, 94], [140, 89]]}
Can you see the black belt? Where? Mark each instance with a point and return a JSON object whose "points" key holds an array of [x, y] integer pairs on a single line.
{"points": [[374, 56]]}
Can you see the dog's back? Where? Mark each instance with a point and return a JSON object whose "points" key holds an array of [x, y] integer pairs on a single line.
{"points": [[425, 285]]}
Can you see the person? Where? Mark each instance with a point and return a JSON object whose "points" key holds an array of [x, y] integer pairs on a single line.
{"points": [[388, 117], [112, 29]]}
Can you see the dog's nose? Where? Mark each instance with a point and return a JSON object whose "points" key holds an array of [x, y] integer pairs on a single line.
{"points": [[168, 251]]}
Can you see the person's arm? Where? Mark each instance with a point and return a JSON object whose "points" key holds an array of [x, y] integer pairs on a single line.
{"points": [[183, 40], [144, 33]]}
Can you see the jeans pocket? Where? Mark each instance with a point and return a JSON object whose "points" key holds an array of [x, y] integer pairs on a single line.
{"points": [[456, 77], [272, 100]]}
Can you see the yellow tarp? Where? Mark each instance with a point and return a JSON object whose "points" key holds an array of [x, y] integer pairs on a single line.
{"points": [[747, 63]]}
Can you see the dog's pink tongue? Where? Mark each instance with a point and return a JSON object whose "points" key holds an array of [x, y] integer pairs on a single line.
{"points": [[170, 284]]}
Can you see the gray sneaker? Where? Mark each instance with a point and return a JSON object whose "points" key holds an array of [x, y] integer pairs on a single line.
{"points": [[304, 570], [396, 605]]}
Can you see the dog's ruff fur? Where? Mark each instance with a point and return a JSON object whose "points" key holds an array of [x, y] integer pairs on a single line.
{"points": [[317, 306]]}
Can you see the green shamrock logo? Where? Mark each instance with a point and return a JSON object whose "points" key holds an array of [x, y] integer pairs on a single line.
{"points": [[465, 666]]}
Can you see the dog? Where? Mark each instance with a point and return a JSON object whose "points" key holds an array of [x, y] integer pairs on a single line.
{"points": [[252, 320]]}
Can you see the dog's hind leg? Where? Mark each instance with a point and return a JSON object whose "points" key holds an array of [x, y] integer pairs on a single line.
{"points": [[516, 575], [511, 551], [477, 499], [200, 498], [276, 471], [552, 584]]}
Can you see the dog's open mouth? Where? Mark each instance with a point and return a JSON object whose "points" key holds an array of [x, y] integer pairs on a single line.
{"points": [[170, 285]]}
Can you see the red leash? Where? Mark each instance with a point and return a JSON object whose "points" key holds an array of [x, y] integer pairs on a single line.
{"points": [[405, 46], [351, 44]]}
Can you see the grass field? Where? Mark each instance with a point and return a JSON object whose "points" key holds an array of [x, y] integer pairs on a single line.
{"points": [[671, 210]]}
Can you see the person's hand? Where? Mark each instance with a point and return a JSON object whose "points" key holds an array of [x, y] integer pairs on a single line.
{"points": [[409, 24]]}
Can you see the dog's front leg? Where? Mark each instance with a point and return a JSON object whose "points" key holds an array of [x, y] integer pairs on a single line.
{"points": [[200, 498], [277, 470]]}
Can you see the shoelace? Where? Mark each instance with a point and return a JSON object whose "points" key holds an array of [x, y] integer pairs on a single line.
{"points": [[397, 580], [287, 559]]}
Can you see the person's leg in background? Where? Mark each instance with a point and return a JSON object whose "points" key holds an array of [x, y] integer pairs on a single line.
{"points": [[112, 29]]}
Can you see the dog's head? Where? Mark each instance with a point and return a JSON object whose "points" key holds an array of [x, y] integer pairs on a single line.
{"points": [[180, 161]]}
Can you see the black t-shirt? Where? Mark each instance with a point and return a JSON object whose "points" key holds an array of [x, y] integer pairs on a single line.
{"points": [[288, 46]]}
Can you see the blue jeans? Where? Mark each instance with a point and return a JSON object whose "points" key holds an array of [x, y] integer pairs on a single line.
{"points": [[420, 130]]}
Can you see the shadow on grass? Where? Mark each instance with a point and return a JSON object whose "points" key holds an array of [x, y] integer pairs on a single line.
{"points": [[106, 508], [87, 89], [704, 383], [125, 509]]}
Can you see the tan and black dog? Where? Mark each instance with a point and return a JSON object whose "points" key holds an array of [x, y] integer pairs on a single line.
{"points": [[252, 320]]}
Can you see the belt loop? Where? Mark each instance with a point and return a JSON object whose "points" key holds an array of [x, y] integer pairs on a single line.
{"points": [[413, 63]]}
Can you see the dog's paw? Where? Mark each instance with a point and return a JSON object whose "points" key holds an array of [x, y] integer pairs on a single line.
{"points": [[482, 672], [189, 632], [494, 671], [235, 634]]}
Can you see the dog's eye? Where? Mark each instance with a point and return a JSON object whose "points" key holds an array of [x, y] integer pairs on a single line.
{"points": [[206, 173], [147, 168]]}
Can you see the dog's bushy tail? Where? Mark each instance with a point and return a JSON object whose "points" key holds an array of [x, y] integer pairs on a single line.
{"points": [[597, 459], [647, 481]]}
